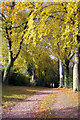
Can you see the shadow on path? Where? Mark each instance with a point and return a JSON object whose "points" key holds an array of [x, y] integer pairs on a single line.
{"points": [[25, 110]]}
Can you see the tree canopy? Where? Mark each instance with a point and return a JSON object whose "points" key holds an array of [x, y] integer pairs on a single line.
{"points": [[38, 29]]}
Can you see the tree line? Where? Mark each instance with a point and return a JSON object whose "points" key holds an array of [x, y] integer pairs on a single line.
{"points": [[36, 28]]}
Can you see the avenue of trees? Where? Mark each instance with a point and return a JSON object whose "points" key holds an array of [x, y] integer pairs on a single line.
{"points": [[34, 31]]}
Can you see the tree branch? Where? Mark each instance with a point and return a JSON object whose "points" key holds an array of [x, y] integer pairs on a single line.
{"points": [[69, 53], [22, 37], [23, 23], [9, 43], [3, 15], [72, 56], [1, 19], [21, 41], [19, 49]]}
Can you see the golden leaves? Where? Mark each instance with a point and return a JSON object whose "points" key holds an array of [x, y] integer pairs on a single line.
{"points": [[49, 23]]}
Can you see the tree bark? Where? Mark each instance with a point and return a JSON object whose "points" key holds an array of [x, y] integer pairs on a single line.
{"points": [[79, 69], [7, 71], [66, 73], [76, 70], [58, 71], [32, 74], [61, 74]]}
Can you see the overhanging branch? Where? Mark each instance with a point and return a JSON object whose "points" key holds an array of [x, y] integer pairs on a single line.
{"points": [[3, 16], [72, 56], [22, 37]]}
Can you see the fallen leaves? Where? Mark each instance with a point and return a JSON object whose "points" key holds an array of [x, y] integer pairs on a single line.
{"points": [[45, 107], [13, 94], [73, 96]]}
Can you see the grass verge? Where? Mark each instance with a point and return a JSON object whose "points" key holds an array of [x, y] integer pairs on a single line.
{"points": [[73, 96], [13, 94]]}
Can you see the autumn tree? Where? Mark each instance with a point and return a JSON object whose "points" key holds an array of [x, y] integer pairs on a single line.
{"points": [[14, 26], [60, 18], [68, 58], [54, 24], [73, 11]]}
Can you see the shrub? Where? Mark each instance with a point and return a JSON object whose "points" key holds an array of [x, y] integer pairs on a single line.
{"points": [[32, 82], [18, 79], [69, 82], [40, 82]]}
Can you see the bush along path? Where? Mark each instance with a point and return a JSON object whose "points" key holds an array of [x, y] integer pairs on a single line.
{"points": [[48, 103]]}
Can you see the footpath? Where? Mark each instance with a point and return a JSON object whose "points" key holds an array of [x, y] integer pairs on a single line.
{"points": [[63, 107]]}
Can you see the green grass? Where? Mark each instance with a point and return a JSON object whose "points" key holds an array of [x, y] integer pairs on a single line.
{"points": [[12, 94]]}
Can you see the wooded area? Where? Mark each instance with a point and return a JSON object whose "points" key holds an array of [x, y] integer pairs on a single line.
{"points": [[41, 43]]}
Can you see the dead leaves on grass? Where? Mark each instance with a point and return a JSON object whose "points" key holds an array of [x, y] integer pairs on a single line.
{"points": [[73, 96], [13, 94]]}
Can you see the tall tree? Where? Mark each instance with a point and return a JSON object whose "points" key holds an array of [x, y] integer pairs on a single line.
{"points": [[68, 15], [73, 19], [61, 73], [13, 31], [67, 59]]}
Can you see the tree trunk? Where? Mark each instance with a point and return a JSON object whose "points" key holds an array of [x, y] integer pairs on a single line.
{"points": [[58, 71], [65, 79], [32, 74], [61, 74], [7, 71], [79, 69], [76, 70], [66, 73]]}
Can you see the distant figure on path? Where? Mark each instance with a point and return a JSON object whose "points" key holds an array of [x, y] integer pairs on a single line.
{"points": [[51, 85]]}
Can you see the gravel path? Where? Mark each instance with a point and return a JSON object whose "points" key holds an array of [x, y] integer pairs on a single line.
{"points": [[26, 108], [63, 107]]}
